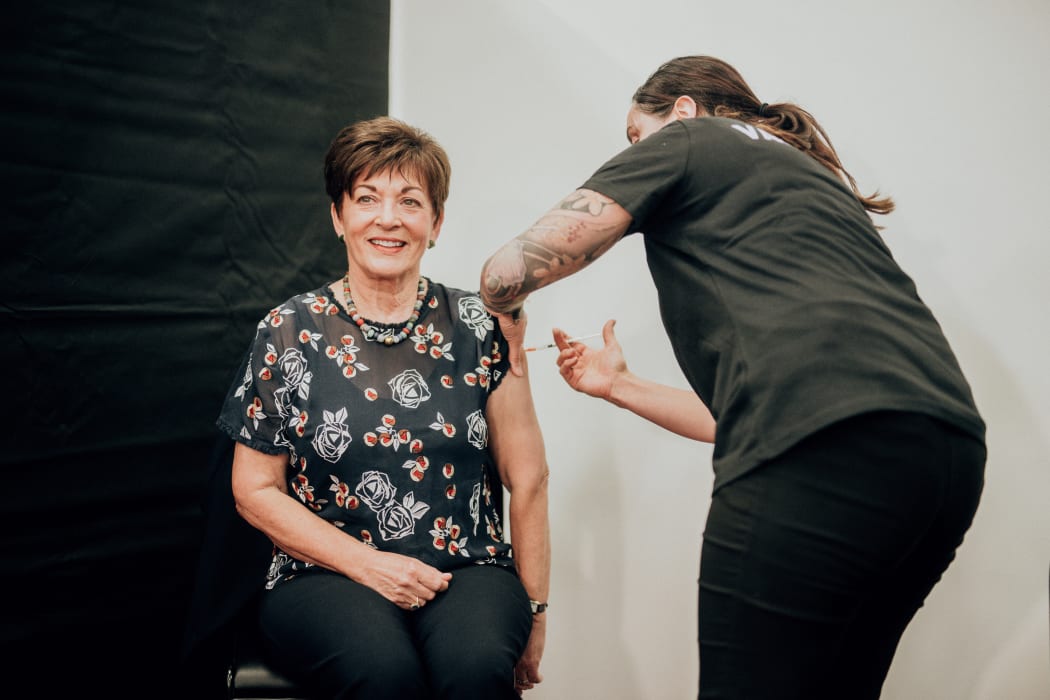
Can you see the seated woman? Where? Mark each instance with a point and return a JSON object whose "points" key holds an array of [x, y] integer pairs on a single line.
{"points": [[377, 427]]}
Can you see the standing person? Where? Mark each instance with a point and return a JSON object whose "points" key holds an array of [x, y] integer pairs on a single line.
{"points": [[376, 428], [848, 453]]}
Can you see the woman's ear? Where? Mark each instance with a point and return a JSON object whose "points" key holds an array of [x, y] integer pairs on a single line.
{"points": [[685, 107], [337, 223]]}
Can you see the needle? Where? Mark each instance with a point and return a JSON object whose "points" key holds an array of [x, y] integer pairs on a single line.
{"points": [[570, 340]]}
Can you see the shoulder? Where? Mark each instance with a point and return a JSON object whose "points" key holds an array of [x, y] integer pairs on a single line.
{"points": [[465, 307]]}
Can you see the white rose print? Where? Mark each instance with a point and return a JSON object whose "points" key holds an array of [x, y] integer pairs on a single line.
{"points": [[472, 312], [295, 373], [375, 490], [409, 388], [398, 520], [333, 436], [477, 430]]}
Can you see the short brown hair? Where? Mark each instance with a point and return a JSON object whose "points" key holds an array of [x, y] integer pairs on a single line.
{"points": [[381, 144]]}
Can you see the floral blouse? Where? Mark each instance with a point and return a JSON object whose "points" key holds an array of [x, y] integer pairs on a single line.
{"points": [[388, 443]]}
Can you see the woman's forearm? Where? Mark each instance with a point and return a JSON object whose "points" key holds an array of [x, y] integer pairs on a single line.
{"points": [[530, 536], [679, 410], [301, 534]]}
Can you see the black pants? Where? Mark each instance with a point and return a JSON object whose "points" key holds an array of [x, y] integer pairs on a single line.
{"points": [[813, 564], [346, 641]]}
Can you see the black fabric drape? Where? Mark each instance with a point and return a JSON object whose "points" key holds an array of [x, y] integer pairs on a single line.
{"points": [[161, 170]]}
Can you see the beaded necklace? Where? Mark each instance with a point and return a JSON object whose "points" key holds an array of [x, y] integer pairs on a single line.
{"points": [[386, 336]]}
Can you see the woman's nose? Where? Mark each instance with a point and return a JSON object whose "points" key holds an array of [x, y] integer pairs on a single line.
{"points": [[387, 216]]}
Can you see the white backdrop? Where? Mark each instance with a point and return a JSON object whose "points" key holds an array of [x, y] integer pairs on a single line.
{"points": [[939, 104]]}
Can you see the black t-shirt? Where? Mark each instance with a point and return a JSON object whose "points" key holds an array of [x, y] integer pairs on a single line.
{"points": [[388, 443], [783, 304]]}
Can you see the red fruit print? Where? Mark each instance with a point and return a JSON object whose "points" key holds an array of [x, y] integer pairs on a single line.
{"points": [[386, 439], [270, 358], [389, 420], [439, 522], [417, 474], [265, 374], [448, 429], [304, 336], [450, 491], [485, 362], [416, 446], [403, 436], [448, 470], [446, 381], [423, 462], [454, 531], [333, 310], [433, 303], [470, 378], [371, 439], [421, 347], [366, 536], [331, 351], [349, 371], [352, 502], [453, 548], [347, 340], [483, 380], [436, 353], [371, 394], [439, 543], [436, 337]]}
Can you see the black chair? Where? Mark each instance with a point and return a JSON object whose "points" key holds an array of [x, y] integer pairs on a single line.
{"points": [[249, 677], [221, 659]]}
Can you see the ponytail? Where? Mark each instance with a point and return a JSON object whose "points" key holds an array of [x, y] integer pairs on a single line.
{"points": [[721, 90]]}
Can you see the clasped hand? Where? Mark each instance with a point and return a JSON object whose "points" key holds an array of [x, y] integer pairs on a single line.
{"points": [[406, 582]]}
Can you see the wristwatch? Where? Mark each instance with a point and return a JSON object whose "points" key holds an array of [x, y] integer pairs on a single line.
{"points": [[537, 606]]}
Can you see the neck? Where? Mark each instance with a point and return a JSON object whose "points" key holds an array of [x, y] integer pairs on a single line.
{"points": [[382, 301]]}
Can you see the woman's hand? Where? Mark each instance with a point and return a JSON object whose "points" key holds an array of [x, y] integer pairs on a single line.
{"points": [[527, 671], [592, 372], [406, 582]]}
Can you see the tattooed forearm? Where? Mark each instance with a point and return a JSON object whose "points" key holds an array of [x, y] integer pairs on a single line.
{"points": [[567, 239]]}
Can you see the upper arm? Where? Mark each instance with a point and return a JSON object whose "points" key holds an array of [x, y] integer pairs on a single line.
{"points": [[255, 471], [515, 439]]}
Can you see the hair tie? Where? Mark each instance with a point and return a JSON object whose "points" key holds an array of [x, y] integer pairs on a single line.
{"points": [[762, 109]]}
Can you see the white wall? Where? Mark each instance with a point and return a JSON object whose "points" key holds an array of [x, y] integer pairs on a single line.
{"points": [[940, 104]]}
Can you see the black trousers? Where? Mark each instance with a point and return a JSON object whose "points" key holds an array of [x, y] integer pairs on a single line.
{"points": [[344, 640], [813, 564]]}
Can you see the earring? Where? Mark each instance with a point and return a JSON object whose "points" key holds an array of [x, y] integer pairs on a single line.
{"points": [[431, 244], [340, 236]]}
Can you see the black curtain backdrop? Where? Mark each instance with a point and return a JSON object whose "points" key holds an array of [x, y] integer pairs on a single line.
{"points": [[161, 169]]}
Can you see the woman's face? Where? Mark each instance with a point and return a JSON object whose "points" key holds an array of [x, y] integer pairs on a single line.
{"points": [[386, 221], [641, 124]]}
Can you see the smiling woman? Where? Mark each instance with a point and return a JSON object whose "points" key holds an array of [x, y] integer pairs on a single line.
{"points": [[338, 421]]}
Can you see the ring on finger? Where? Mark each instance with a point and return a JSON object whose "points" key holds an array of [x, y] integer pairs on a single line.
{"points": [[417, 605]]}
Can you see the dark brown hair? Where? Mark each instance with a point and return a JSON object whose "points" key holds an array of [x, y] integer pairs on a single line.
{"points": [[381, 144], [717, 87]]}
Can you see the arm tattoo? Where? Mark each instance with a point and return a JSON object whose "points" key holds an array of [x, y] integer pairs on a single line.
{"points": [[564, 241]]}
